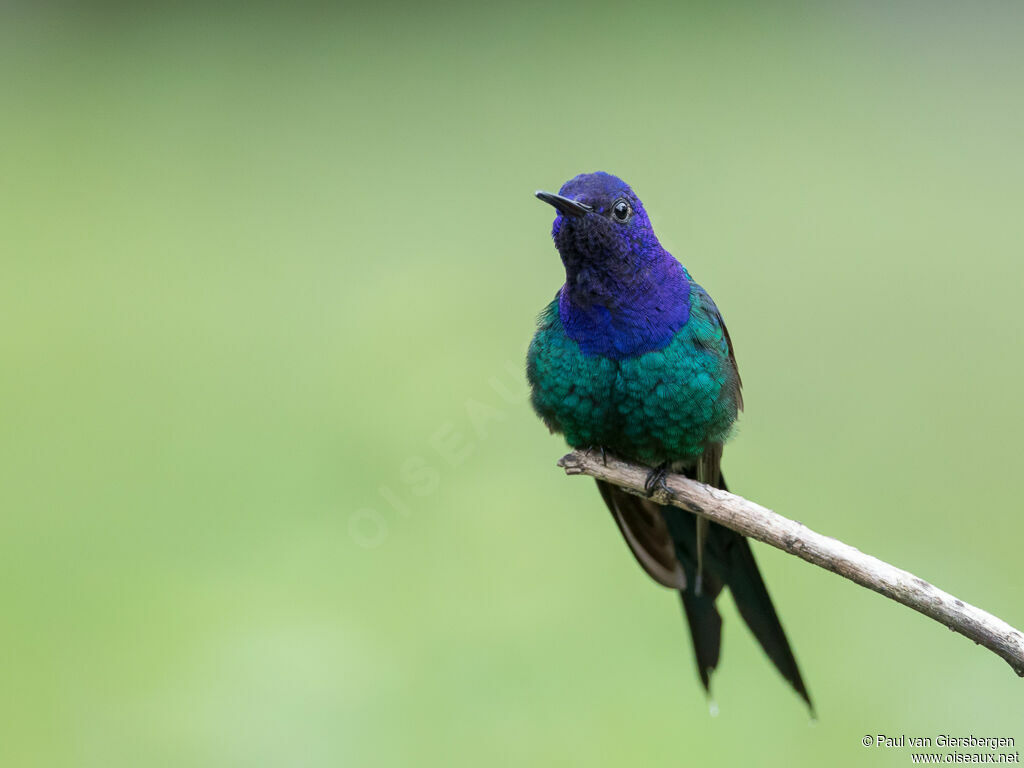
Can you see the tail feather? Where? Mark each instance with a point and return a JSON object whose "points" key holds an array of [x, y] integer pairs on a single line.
{"points": [[726, 561], [705, 626], [700, 610], [755, 606]]}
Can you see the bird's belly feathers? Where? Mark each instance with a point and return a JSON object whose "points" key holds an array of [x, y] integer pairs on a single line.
{"points": [[659, 406]]}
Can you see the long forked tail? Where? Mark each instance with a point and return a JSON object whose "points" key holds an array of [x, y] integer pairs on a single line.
{"points": [[728, 561], [664, 541]]}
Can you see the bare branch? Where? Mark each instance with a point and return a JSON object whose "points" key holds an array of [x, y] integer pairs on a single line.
{"points": [[762, 524]]}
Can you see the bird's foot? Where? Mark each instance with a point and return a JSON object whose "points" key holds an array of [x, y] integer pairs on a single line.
{"points": [[598, 448], [656, 479]]}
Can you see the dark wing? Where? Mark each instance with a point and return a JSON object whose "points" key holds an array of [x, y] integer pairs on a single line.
{"points": [[644, 530], [732, 359], [670, 558], [708, 336]]}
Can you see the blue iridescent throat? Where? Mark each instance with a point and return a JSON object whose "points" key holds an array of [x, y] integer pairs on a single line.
{"points": [[637, 321]]}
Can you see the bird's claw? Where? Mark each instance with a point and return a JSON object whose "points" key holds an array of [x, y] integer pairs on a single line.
{"points": [[601, 448], [656, 479]]}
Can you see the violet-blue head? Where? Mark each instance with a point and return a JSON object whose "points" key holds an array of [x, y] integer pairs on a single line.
{"points": [[601, 218], [624, 294]]}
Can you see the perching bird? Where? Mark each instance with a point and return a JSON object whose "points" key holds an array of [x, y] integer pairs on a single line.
{"points": [[632, 358]]}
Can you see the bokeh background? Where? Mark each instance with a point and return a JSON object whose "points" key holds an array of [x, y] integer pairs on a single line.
{"points": [[270, 489]]}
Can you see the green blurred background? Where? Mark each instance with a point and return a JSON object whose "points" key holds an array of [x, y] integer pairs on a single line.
{"points": [[270, 490]]}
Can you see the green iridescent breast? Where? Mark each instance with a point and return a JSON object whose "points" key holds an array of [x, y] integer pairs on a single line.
{"points": [[666, 405]]}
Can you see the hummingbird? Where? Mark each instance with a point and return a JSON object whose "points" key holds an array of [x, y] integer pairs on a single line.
{"points": [[632, 358]]}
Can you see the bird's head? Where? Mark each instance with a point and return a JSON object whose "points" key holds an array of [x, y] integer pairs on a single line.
{"points": [[623, 294], [601, 223]]}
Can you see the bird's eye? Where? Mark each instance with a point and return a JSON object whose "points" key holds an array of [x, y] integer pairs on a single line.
{"points": [[621, 210]]}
